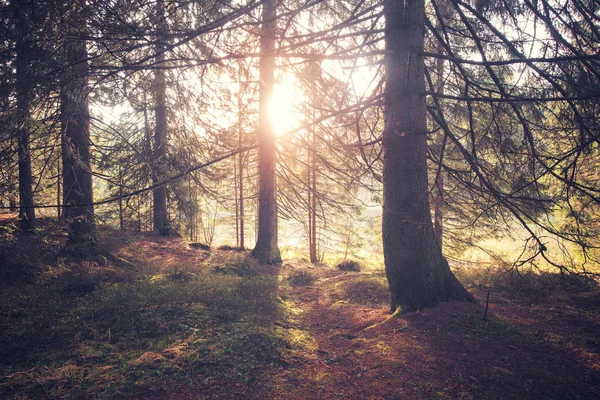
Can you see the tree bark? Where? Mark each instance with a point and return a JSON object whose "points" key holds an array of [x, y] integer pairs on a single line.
{"points": [[121, 210], [23, 86], [266, 250], [438, 193], [417, 272], [75, 124], [58, 191], [241, 243], [161, 219], [236, 202]]}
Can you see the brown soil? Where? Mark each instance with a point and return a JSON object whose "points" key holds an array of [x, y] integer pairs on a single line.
{"points": [[520, 351], [345, 346], [353, 349]]}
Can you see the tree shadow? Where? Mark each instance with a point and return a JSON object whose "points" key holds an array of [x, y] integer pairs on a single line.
{"points": [[448, 352]]}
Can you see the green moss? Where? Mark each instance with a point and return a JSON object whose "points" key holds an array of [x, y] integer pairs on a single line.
{"points": [[368, 290], [301, 277]]}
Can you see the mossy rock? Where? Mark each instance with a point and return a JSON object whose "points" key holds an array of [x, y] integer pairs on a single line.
{"points": [[349, 265], [200, 246]]}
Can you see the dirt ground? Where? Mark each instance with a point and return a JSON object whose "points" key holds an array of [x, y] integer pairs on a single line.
{"points": [[526, 348], [341, 343], [448, 352]]}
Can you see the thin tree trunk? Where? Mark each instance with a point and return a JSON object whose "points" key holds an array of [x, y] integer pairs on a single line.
{"points": [[139, 214], [313, 189], [438, 193], [309, 200], [417, 272], [241, 196], [23, 85], [58, 192], [241, 166], [161, 220], [237, 204], [121, 217], [266, 250], [191, 199]]}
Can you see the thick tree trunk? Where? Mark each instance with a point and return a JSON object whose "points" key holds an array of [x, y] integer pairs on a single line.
{"points": [[266, 250], [417, 272], [23, 85], [161, 219], [75, 122]]}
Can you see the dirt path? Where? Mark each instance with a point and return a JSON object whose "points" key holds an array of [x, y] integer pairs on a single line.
{"points": [[340, 362]]}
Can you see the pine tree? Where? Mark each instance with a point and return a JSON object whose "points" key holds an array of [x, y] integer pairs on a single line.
{"points": [[417, 272]]}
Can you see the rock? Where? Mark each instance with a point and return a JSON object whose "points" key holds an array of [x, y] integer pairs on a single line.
{"points": [[349, 265], [200, 246]]}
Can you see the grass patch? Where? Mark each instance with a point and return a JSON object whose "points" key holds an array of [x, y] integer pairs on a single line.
{"points": [[237, 265], [90, 330], [371, 290], [529, 285], [301, 277]]}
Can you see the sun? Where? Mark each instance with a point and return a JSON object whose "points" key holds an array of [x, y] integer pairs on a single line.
{"points": [[285, 106]]}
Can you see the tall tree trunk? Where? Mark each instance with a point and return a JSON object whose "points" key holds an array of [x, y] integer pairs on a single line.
{"points": [[58, 191], [121, 211], [309, 199], [192, 200], [75, 124], [417, 272], [139, 214], [438, 193], [161, 219], [237, 203], [241, 244], [266, 250], [23, 85], [241, 196]]}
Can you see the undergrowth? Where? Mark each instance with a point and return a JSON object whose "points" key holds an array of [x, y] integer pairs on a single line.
{"points": [[93, 329], [301, 277], [530, 285]]}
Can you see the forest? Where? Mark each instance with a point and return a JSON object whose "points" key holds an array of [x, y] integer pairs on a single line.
{"points": [[314, 199]]}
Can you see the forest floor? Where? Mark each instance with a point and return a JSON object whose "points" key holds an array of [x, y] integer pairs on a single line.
{"points": [[156, 318]]}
